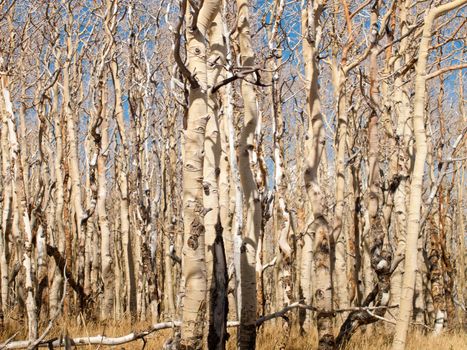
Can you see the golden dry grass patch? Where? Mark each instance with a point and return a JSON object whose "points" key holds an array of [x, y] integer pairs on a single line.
{"points": [[269, 338]]}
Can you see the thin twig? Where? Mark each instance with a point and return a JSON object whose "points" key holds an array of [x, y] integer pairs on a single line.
{"points": [[6, 342]]}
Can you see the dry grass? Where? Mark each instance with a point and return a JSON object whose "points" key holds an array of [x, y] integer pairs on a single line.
{"points": [[368, 340], [271, 337]]}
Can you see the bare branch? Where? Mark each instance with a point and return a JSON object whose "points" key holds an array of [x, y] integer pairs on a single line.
{"points": [[177, 41], [446, 70]]}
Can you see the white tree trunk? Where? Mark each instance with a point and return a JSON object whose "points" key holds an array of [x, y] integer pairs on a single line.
{"points": [[413, 223]]}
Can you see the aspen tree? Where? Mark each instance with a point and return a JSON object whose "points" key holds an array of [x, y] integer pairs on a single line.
{"points": [[436, 233], [194, 272], [19, 192], [339, 77], [40, 198], [233, 245], [101, 138], [354, 261], [403, 132], [173, 150], [56, 287], [281, 214], [6, 208], [77, 213], [215, 190], [381, 257], [99, 132], [168, 171], [226, 181], [122, 173], [413, 223], [318, 247], [247, 317], [460, 186]]}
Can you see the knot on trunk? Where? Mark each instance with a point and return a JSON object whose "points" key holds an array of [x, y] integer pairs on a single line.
{"points": [[197, 229], [206, 186], [319, 294]]}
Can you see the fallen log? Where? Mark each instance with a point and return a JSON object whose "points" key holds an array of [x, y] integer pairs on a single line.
{"points": [[112, 341], [93, 340]]}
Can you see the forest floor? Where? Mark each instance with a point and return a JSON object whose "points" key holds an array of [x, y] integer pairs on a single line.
{"points": [[269, 338]]}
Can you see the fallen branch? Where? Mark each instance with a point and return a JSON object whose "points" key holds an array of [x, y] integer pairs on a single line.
{"points": [[112, 341], [8, 341], [109, 341], [95, 340]]}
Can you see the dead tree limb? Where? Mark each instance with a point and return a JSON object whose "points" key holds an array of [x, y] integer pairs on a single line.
{"points": [[61, 264], [95, 340]]}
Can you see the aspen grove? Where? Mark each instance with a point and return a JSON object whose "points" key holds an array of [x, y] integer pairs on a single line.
{"points": [[216, 167]]}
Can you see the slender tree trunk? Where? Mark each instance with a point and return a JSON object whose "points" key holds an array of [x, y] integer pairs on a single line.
{"points": [[215, 253], [281, 214], [403, 134], [247, 329], [7, 202], [413, 223], [123, 174], [314, 145], [56, 288], [233, 248], [193, 261], [102, 143], [225, 177], [77, 212], [19, 190]]}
